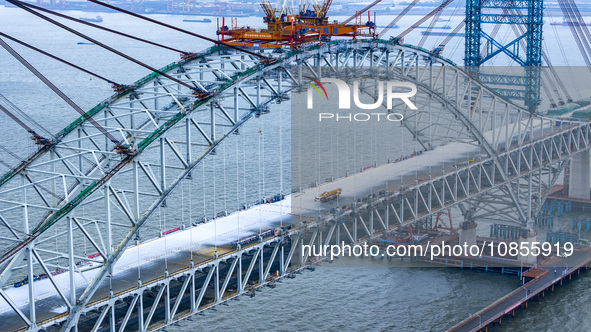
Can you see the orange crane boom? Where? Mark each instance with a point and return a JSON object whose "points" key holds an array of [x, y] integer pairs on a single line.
{"points": [[295, 27]]}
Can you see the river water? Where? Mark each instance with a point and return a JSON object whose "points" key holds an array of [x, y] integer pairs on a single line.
{"points": [[350, 294]]}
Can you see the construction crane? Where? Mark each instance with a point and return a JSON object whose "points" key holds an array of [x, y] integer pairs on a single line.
{"points": [[292, 27]]}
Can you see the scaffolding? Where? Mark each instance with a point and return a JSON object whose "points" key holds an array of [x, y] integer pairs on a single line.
{"points": [[512, 13]]}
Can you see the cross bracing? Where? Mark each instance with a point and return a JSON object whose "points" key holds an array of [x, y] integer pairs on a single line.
{"points": [[43, 202]]}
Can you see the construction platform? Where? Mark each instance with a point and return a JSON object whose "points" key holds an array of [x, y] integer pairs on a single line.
{"points": [[557, 194], [488, 262], [540, 280]]}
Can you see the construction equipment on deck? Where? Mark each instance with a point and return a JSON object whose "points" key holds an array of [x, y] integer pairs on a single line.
{"points": [[290, 27], [330, 195]]}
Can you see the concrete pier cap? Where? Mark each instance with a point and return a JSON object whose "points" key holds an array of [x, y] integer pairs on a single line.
{"points": [[468, 233], [527, 238], [580, 176]]}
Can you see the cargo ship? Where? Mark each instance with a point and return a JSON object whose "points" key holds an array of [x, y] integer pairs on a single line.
{"points": [[395, 26], [97, 19], [443, 27], [444, 34], [205, 20], [570, 23]]}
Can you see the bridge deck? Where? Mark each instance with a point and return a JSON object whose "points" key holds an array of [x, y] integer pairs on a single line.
{"points": [[392, 176], [174, 252], [150, 260], [556, 270]]}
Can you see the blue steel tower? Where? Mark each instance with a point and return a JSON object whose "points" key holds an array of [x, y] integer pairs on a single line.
{"points": [[507, 12]]}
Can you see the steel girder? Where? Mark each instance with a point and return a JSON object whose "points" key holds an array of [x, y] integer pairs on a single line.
{"points": [[104, 199], [533, 36], [487, 79], [159, 118], [466, 111], [196, 288], [533, 167]]}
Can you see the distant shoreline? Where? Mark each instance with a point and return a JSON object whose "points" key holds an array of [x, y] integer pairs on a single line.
{"points": [[159, 7]]}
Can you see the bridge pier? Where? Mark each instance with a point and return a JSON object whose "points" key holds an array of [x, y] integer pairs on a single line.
{"points": [[580, 178], [468, 233], [528, 239]]}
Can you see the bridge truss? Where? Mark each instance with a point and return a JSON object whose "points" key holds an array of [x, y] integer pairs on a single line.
{"points": [[523, 153], [533, 20], [82, 189]]}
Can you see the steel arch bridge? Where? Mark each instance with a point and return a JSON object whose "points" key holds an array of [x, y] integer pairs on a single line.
{"points": [[81, 187]]}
